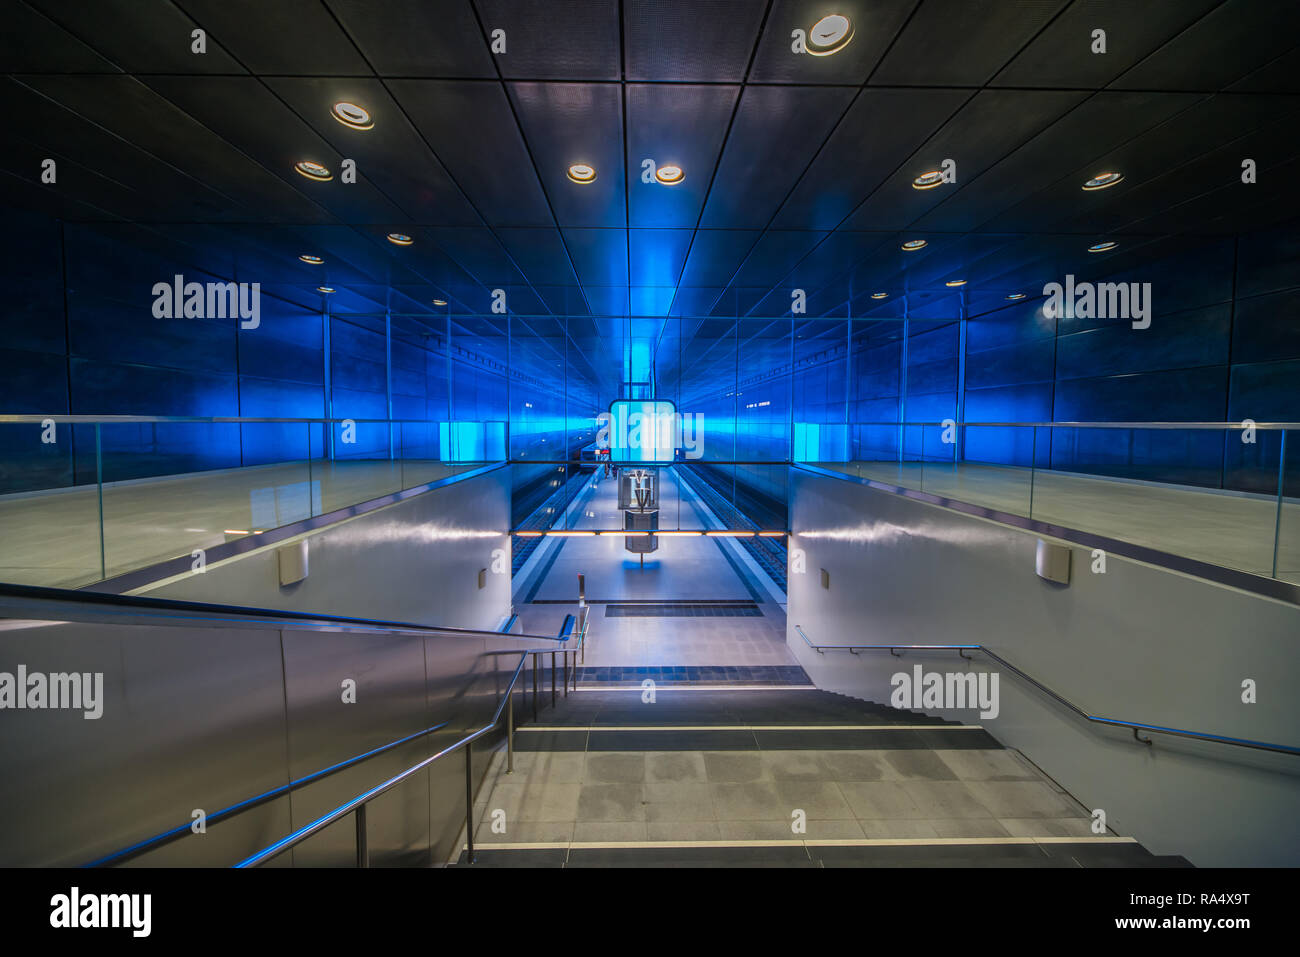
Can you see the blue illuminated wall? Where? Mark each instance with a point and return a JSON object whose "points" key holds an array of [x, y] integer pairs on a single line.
{"points": [[78, 336]]}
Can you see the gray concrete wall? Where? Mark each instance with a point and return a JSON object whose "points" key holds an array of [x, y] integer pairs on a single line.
{"points": [[417, 561], [1137, 643]]}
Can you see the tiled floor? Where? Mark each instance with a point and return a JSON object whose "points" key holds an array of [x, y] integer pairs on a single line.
{"points": [[53, 537], [1224, 529], [683, 569], [754, 796]]}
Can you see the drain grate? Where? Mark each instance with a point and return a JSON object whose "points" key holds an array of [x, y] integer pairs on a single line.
{"points": [[683, 609]]}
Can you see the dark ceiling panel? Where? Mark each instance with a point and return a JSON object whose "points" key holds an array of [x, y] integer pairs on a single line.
{"points": [[139, 37], [991, 125], [881, 129], [774, 255], [678, 125], [656, 256], [271, 133], [1231, 41], [33, 43], [477, 251], [471, 129], [599, 255], [963, 42], [1093, 129], [140, 117], [679, 40], [540, 253], [392, 156], [568, 123], [287, 36], [875, 25], [1162, 168], [777, 131], [555, 40], [716, 254], [1062, 55], [1281, 75], [474, 167], [416, 38], [21, 189], [96, 163], [834, 256]]}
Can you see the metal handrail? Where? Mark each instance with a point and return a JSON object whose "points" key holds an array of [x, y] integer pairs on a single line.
{"points": [[1116, 722], [84, 419], [90, 419], [358, 803], [107, 604], [168, 836]]}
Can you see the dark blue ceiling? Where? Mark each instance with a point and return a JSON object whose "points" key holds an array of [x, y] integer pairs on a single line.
{"points": [[798, 168]]}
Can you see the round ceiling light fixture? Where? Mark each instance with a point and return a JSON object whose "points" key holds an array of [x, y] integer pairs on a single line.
{"points": [[582, 173], [914, 244], [352, 116], [670, 175], [953, 283], [311, 260], [1103, 247], [1102, 181], [1016, 295], [400, 239], [830, 34], [928, 180], [313, 171], [325, 289], [880, 295], [440, 302]]}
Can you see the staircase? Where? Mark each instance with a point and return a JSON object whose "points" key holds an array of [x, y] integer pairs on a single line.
{"points": [[774, 778]]}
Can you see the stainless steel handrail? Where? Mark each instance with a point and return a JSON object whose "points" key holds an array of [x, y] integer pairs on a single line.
{"points": [[358, 803], [168, 836], [83, 419], [1135, 725], [109, 607]]}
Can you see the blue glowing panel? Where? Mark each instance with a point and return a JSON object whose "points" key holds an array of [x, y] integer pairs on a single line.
{"points": [[640, 431], [472, 441], [820, 442]]}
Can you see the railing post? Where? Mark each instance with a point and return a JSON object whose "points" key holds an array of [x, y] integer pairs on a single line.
{"points": [[363, 847], [469, 803], [534, 657], [566, 672], [510, 734], [552, 679]]}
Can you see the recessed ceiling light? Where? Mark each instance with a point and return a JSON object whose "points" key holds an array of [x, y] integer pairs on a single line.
{"points": [[670, 175], [955, 282], [928, 180], [1102, 180], [830, 34], [1016, 295], [400, 239], [1103, 247], [313, 170], [325, 289], [309, 258], [440, 302], [349, 114], [879, 295], [914, 244], [582, 173]]}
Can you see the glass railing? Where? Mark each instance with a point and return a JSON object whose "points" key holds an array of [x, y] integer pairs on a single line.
{"points": [[1227, 494], [87, 498]]}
